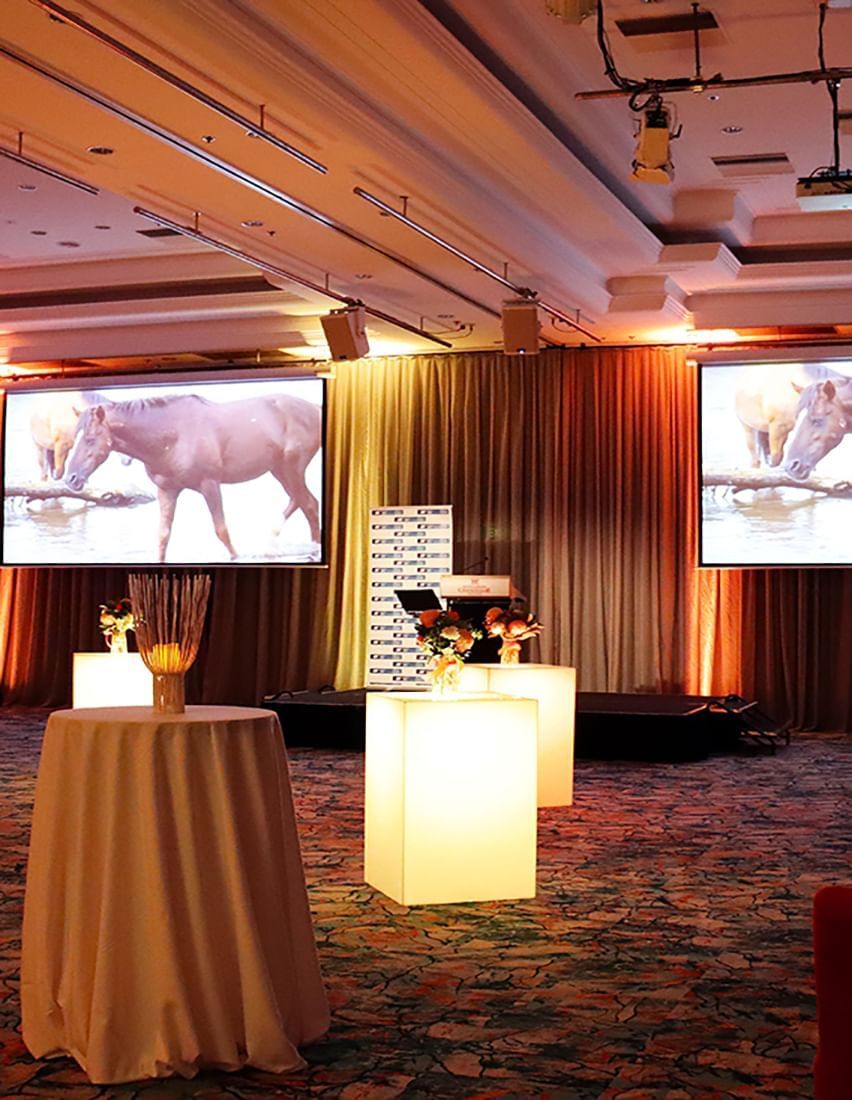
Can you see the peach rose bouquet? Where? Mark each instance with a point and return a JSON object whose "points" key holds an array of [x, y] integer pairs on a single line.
{"points": [[114, 620], [447, 638], [512, 625]]}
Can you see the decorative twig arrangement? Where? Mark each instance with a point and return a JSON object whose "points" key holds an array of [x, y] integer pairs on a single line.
{"points": [[169, 620]]}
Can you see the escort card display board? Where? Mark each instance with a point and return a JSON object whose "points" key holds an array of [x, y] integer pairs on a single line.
{"points": [[411, 546]]}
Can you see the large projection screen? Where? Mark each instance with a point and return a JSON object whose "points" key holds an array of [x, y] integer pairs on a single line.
{"points": [[215, 471], [776, 463]]}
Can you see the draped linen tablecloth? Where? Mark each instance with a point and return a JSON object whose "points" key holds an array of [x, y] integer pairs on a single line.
{"points": [[166, 922]]}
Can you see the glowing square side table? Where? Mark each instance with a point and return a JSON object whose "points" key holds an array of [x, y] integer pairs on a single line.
{"points": [[555, 689], [111, 680], [450, 797]]}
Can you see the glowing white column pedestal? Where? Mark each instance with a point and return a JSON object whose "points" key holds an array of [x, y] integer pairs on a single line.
{"points": [[111, 680], [555, 688], [450, 798]]}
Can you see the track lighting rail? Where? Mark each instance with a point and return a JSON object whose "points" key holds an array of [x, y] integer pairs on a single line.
{"points": [[54, 173], [690, 84], [520, 291], [233, 172], [200, 96], [195, 234]]}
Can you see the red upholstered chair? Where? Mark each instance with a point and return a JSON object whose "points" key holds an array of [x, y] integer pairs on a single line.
{"points": [[833, 968]]}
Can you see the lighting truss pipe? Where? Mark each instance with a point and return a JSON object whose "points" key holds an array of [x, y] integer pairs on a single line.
{"points": [[127, 52], [54, 173], [521, 291], [281, 273], [234, 173], [691, 84]]}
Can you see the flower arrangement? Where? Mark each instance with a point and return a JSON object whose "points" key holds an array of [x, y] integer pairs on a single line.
{"points": [[513, 625], [447, 638], [116, 618]]}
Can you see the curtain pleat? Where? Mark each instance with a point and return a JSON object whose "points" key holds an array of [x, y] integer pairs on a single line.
{"points": [[574, 471]]}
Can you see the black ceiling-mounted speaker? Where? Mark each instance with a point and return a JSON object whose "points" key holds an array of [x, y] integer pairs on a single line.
{"points": [[345, 332], [521, 327]]}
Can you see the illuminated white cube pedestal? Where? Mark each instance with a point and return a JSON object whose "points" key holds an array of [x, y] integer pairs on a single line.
{"points": [[555, 689], [450, 797], [111, 680]]}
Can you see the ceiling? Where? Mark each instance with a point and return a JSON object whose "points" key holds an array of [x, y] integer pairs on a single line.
{"points": [[466, 109]]}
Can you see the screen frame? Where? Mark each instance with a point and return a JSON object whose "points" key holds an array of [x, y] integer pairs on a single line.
{"points": [[165, 377], [743, 357]]}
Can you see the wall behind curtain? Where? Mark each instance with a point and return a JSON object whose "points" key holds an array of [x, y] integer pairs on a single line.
{"points": [[573, 471]]}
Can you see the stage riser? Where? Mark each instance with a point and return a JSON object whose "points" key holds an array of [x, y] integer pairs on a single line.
{"points": [[336, 720]]}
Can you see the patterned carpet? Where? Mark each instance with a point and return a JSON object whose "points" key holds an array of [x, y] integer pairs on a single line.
{"points": [[667, 954]]}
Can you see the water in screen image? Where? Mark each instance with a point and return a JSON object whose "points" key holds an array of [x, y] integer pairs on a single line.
{"points": [[70, 531], [766, 526]]}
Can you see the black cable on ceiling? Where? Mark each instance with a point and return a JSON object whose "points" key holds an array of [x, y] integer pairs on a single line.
{"points": [[832, 87]]}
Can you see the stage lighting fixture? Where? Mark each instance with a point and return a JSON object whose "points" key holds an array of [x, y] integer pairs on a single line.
{"points": [[521, 327], [345, 333], [652, 159]]}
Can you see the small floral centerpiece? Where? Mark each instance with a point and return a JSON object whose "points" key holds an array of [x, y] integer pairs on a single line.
{"points": [[513, 625], [447, 638], [116, 618]]}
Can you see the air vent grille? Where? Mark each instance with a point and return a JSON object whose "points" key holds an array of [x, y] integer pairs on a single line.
{"points": [[667, 24], [754, 164], [161, 232]]}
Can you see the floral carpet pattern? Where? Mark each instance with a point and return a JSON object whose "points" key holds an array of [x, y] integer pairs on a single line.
{"points": [[667, 954]]}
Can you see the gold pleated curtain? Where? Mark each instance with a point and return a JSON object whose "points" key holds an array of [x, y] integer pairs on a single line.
{"points": [[574, 471]]}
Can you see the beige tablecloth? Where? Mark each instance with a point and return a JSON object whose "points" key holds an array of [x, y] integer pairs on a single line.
{"points": [[166, 924]]}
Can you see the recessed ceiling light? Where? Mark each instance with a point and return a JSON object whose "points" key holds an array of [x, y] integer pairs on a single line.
{"points": [[27, 187], [68, 244], [251, 223], [732, 129], [714, 97], [363, 275], [208, 139], [38, 232], [103, 227], [100, 150]]}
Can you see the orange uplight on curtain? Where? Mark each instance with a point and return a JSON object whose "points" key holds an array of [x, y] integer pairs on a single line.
{"points": [[715, 658], [714, 619]]}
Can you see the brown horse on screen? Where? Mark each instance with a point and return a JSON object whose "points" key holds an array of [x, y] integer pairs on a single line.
{"points": [[767, 404], [53, 426], [188, 442], [827, 417]]}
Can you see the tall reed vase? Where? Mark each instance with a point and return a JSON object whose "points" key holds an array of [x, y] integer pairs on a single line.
{"points": [[169, 696], [170, 617]]}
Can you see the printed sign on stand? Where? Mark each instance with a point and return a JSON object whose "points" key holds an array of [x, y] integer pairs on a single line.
{"points": [[411, 546]]}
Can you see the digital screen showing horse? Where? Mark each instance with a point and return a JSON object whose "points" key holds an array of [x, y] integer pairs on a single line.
{"points": [[180, 472], [776, 463]]}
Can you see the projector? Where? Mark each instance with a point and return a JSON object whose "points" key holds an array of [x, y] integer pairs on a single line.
{"points": [[827, 191]]}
